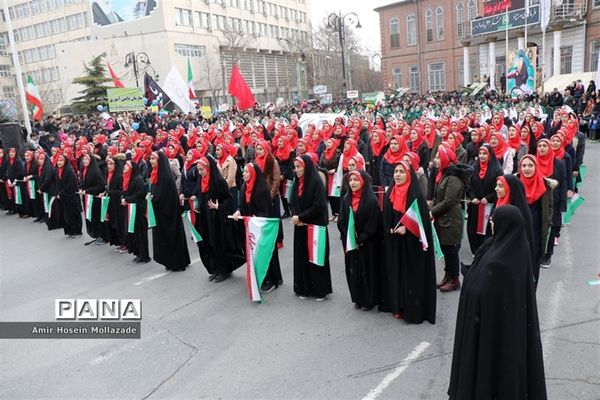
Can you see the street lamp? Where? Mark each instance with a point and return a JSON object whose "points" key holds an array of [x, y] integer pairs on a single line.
{"points": [[133, 59], [338, 22]]}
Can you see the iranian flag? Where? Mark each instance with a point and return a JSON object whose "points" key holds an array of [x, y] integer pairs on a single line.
{"points": [[31, 189], [190, 79], [316, 240], [573, 204], [187, 215], [414, 224], [483, 216], [261, 235], [89, 201], [50, 206], [288, 184], [32, 94], [104, 203], [18, 197], [116, 81], [131, 210], [334, 181], [351, 233], [150, 216]]}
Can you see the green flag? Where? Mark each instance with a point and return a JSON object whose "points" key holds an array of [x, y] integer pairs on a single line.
{"points": [[18, 198], [351, 233], [31, 189], [150, 212], [188, 217], [104, 208], [131, 210]]}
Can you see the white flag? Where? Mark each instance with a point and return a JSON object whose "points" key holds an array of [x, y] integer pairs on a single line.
{"points": [[545, 14], [177, 89]]}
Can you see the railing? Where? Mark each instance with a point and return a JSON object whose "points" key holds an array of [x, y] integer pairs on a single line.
{"points": [[569, 11]]}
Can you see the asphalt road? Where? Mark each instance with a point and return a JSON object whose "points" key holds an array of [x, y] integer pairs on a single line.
{"points": [[206, 340]]}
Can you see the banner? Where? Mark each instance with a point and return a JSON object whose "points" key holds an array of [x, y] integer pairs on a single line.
{"points": [[498, 23], [125, 99], [520, 78], [112, 12], [177, 89], [317, 119]]}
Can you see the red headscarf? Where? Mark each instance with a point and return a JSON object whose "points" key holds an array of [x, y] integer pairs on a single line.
{"points": [[332, 151], [534, 186], [399, 193], [359, 161], [41, 155], [432, 135], [251, 182], [61, 169], [504, 201], [515, 142], [395, 157], [445, 157], [539, 129], [127, 176], [415, 160], [560, 153], [502, 147], [546, 163], [205, 181], [154, 174], [224, 152], [300, 178], [12, 159], [420, 139], [357, 195], [195, 156], [500, 123], [28, 163], [262, 161], [283, 153], [483, 166], [377, 147], [348, 153], [85, 167]]}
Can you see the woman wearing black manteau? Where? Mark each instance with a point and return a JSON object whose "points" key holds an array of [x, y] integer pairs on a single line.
{"points": [[255, 200], [308, 204], [31, 206], [92, 183], [362, 264], [497, 347], [115, 225], [4, 200], [14, 172], [480, 190], [134, 192], [168, 236], [46, 184], [409, 270], [68, 194], [216, 204]]}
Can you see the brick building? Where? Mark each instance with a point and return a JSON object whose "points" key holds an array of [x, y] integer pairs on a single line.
{"points": [[427, 44]]}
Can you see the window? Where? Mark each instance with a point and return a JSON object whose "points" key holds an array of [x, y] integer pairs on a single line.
{"points": [[22, 10], [596, 3], [189, 50], [183, 17], [413, 78], [8, 92], [3, 44], [472, 10], [439, 23], [58, 25], [411, 30], [429, 25], [566, 58], [396, 77], [437, 76], [42, 30], [4, 70], [75, 21], [394, 33], [460, 19], [594, 52], [472, 68]]}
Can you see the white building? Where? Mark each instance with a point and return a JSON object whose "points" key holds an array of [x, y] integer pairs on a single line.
{"points": [[55, 37]]}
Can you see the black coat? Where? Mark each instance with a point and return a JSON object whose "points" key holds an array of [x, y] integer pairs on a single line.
{"points": [[497, 347], [69, 200], [363, 263], [168, 236]]}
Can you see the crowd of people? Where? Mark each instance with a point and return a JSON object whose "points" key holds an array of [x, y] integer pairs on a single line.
{"points": [[506, 167]]}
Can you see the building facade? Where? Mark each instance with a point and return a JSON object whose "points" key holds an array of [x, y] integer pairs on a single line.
{"points": [[430, 45], [54, 38]]}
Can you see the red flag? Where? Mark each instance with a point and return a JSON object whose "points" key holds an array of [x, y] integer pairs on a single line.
{"points": [[115, 78], [239, 89]]}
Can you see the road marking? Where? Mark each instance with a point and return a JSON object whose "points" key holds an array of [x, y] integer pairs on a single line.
{"points": [[150, 278], [389, 378]]}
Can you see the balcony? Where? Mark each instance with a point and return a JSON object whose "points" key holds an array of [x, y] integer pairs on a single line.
{"points": [[569, 12]]}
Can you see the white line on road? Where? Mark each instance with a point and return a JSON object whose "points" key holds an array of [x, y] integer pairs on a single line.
{"points": [[389, 378], [150, 278]]}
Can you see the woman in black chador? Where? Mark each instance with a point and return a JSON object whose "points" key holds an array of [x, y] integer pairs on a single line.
{"points": [[308, 203], [68, 194], [134, 192], [47, 184], [362, 264], [255, 200], [497, 347], [410, 287], [115, 225], [93, 183], [219, 251], [168, 237]]}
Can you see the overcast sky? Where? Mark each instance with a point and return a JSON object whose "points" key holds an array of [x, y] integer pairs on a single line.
{"points": [[369, 19]]}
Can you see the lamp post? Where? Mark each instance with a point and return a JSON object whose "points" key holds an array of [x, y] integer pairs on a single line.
{"points": [[132, 59], [338, 22]]}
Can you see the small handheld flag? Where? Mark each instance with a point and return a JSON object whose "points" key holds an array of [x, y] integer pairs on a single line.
{"points": [[104, 202], [414, 224], [150, 212], [31, 189], [195, 234], [483, 216], [316, 240], [18, 197], [89, 201], [351, 233], [131, 210]]}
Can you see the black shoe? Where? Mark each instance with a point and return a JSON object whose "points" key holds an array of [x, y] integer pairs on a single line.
{"points": [[357, 306], [285, 215], [144, 261], [38, 219], [11, 212], [136, 259], [267, 287], [546, 262], [221, 278], [211, 277]]}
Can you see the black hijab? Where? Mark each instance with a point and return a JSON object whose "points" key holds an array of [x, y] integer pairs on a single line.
{"points": [[312, 204], [116, 182], [367, 218], [260, 199], [497, 347], [93, 182]]}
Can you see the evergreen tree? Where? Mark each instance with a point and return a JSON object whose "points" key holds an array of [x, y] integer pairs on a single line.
{"points": [[93, 80]]}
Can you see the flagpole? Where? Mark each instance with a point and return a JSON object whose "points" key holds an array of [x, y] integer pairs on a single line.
{"points": [[506, 43], [543, 60], [18, 73], [526, 18]]}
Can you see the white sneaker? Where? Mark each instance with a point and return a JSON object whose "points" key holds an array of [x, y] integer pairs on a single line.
{"points": [[321, 298]]}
